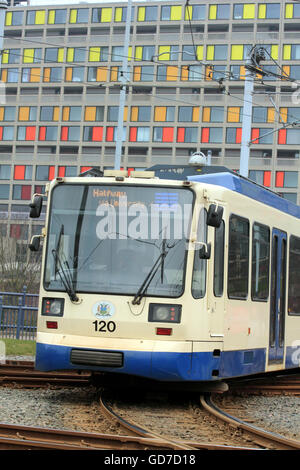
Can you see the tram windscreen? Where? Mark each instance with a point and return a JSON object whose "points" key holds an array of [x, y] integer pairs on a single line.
{"points": [[110, 238]]}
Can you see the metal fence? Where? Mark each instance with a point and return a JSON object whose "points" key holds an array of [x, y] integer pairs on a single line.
{"points": [[18, 315]]}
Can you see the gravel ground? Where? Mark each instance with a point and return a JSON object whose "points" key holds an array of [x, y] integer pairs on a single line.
{"points": [[77, 408]]}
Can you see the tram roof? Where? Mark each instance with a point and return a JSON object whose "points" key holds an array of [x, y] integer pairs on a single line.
{"points": [[222, 176]]}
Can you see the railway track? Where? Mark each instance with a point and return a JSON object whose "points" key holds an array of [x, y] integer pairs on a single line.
{"points": [[22, 373], [278, 385]]}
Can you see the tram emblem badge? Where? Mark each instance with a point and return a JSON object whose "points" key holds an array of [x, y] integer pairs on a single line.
{"points": [[103, 309]]}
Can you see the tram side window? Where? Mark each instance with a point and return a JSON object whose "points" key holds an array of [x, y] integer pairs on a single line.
{"points": [[260, 262], [294, 276], [238, 257], [199, 270], [219, 260]]}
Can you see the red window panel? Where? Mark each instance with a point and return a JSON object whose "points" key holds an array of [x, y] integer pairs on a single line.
{"points": [[168, 134], [84, 168], [26, 192], [64, 133], [109, 134], [279, 179], [51, 173], [238, 135], [97, 134], [180, 134], [205, 134], [19, 172], [267, 179], [30, 133], [42, 133], [15, 231], [61, 171], [255, 135], [282, 136], [132, 134], [130, 170], [1, 132]]}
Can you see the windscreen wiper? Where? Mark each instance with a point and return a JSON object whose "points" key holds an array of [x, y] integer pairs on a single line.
{"points": [[63, 274], [147, 281]]}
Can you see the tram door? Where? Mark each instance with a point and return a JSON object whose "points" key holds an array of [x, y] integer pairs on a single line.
{"points": [[278, 296]]}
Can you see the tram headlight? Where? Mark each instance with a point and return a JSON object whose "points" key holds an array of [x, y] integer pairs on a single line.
{"points": [[164, 313], [53, 307]]}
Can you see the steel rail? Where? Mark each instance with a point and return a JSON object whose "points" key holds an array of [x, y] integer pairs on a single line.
{"points": [[281, 442]]}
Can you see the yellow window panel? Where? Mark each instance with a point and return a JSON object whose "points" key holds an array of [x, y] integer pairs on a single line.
{"points": [[206, 114], [66, 113], [51, 16], [188, 12], [137, 74], [94, 54], [101, 74], [114, 74], [287, 50], [172, 72], [118, 14], [47, 74], [70, 54], [35, 74], [138, 53], [69, 74], [233, 114], [73, 16], [200, 52], [106, 15], [60, 55], [134, 113], [141, 13], [24, 113], [249, 11], [5, 55], [212, 12], [176, 13], [262, 11], [184, 72], [28, 55], [56, 113], [1, 113], [274, 51], [283, 114], [160, 113], [164, 52], [237, 52], [271, 115], [196, 114], [40, 17], [90, 113], [4, 75], [130, 53], [289, 10], [210, 52], [8, 18]]}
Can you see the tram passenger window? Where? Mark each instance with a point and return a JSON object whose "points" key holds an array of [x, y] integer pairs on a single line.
{"points": [[199, 270], [238, 257], [260, 262], [294, 276], [219, 260]]}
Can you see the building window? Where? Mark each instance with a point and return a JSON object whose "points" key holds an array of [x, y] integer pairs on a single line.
{"points": [[94, 113], [233, 135], [261, 177], [14, 18], [188, 114], [22, 192], [70, 133], [101, 15], [71, 113], [22, 172], [35, 17], [147, 13], [57, 16], [218, 52], [48, 133], [99, 54], [10, 75], [32, 56], [190, 53], [286, 179], [262, 136], [97, 74], [164, 113], [6, 132], [171, 13], [164, 52], [211, 134], [4, 191], [269, 10], [163, 134], [49, 113], [5, 172], [195, 12], [67, 171], [19, 231], [27, 113], [187, 134], [52, 74], [213, 114], [167, 73], [244, 11], [76, 54], [92, 134], [30, 75], [54, 54], [11, 56], [44, 173], [143, 73], [80, 15], [26, 132], [74, 74], [219, 12], [7, 113]]}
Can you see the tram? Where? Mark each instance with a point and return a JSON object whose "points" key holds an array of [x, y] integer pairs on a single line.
{"points": [[178, 274]]}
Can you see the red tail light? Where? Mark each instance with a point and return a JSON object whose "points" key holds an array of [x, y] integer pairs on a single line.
{"points": [[164, 331], [52, 325]]}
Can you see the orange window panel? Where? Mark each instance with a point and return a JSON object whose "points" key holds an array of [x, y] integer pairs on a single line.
{"points": [[24, 113], [255, 136], [282, 137], [61, 171], [206, 114], [51, 172], [47, 74], [205, 135], [69, 74], [114, 74], [19, 172], [184, 72], [196, 114], [242, 72], [1, 113], [4, 75], [271, 115], [283, 114], [172, 72], [279, 179], [90, 113], [125, 116], [168, 134], [56, 113], [66, 113], [267, 179], [134, 113], [132, 134], [35, 75], [238, 135], [101, 74], [137, 74], [180, 134], [287, 69], [30, 133], [209, 72], [160, 113], [233, 114]]}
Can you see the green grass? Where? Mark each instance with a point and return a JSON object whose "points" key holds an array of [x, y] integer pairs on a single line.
{"points": [[17, 347]]}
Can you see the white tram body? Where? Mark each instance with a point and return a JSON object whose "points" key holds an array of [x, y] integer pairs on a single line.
{"points": [[220, 300]]}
